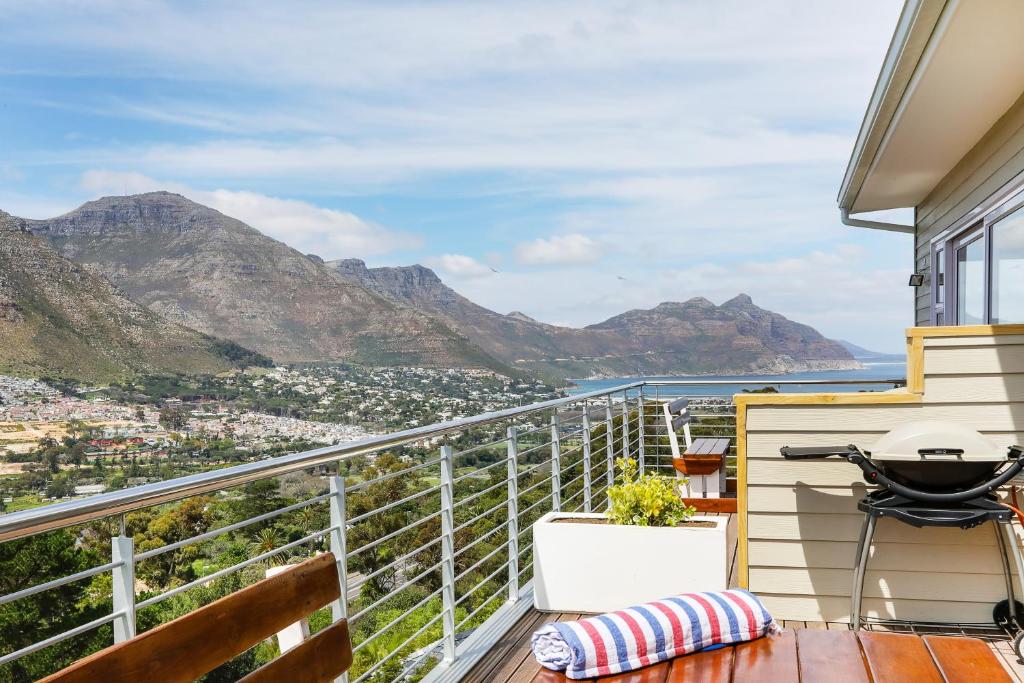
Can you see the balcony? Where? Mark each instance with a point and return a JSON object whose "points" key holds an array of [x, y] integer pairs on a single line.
{"points": [[433, 523]]}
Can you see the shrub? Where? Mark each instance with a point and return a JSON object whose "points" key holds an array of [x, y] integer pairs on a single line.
{"points": [[650, 500]]}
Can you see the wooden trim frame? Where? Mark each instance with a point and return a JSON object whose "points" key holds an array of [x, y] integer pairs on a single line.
{"points": [[917, 335], [912, 394]]}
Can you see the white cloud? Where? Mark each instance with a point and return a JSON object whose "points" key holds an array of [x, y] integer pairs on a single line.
{"points": [[326, 232], [460, 266], [560, 249]]}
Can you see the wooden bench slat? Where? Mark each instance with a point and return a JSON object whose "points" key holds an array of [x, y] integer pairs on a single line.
{"points": [[965, 659], [830, 657], [320, 659], [708, 667], [200, 641], [898, 657], [771, 658]]}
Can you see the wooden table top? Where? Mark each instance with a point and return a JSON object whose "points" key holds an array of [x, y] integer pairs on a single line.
{"points": [[829, 656]]}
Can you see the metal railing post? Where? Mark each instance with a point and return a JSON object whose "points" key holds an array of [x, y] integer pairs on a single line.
{"points": [[609, 447], [640, 430], [513, 515], [556, 464], [448, 553], [339, 546], [122, 550], [625, 424], [587, 503]]}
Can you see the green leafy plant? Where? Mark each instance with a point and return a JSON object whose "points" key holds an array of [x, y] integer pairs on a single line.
{"points": [[650, 500]]}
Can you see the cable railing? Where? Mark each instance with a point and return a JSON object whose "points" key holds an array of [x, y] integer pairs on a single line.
{"points": [[433, 544]]}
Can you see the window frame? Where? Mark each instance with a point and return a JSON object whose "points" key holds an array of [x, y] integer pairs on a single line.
{"points": [[945, 247]]}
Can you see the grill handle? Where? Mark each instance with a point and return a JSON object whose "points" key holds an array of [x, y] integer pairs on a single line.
{"points": [[874, 476], [811, 452]]}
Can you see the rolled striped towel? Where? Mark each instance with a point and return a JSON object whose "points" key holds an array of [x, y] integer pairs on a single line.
{"points": [[649, 633]]}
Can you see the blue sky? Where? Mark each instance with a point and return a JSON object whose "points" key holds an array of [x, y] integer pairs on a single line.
{"points": [[569, 160]]}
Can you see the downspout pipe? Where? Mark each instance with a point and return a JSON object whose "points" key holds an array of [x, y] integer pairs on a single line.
{"points": [[844, 216]]}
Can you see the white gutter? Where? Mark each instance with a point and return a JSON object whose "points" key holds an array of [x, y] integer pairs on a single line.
{"points": [[844, 216], [849, 189]]}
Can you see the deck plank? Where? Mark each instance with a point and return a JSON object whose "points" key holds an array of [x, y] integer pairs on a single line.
{"points": [[830, 657], [504, 649], [964, 659], [898, 657], [707, 667], [526, 665], [771, 658]]}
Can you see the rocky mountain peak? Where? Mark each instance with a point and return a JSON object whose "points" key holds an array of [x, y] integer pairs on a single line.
{"points": [[740, 301], [519, 315]]}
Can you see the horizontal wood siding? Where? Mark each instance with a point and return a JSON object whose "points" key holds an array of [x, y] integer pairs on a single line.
{"points": [[802, 519], [994, 161]]}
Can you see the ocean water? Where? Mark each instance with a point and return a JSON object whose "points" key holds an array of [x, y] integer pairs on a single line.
{"points": [[881, 370]]}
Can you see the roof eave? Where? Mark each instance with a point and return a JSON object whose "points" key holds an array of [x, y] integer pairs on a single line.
{"points": [[915, 26]]}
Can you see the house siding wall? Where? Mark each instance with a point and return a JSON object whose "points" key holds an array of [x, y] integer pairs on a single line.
{"points": [[995, 161], [802, 522]]}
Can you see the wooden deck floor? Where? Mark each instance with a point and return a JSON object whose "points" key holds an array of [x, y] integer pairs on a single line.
{"points": [[511, 661]]}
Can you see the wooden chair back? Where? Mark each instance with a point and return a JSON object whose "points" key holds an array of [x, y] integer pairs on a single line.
{"points": [[198, 642], [677, 414]]}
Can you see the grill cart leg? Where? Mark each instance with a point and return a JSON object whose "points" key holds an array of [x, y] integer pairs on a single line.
{"points": [[867, 531], [1005, 559]]}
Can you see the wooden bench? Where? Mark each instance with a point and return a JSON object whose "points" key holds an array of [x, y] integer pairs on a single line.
{"points": [[809, 656], [702, 463], [200, 641]]}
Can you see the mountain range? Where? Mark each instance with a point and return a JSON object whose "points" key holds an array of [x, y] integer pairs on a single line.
{"points": [[58, 318], [192, 268]]}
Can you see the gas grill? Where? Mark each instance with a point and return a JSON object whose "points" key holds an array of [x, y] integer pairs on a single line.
{"points": [[930, 474]]}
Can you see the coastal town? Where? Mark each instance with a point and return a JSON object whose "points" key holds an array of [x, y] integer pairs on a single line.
{"points": [[59, 440]]}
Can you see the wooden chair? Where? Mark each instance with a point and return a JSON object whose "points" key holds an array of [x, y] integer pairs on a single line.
{"points": [[703, 461], [198, 642]]}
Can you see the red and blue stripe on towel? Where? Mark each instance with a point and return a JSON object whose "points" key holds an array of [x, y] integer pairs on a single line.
{"points": [[649, 633]]}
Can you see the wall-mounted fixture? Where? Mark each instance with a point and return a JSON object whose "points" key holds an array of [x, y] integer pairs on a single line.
{"points": [[916, 280]]}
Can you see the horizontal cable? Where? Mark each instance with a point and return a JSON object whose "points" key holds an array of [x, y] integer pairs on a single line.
{"points": [[392, 563], [397, 619], [481, 583], [57, 583], [481, 561], [479, 447], [573, 496], [483, 604], [526, 568], [533, 486], [535, 430], [533, 469], [231, 527], [60, 637], [233, 568], [533, 448], [502, 504], [387, 537], [391, 475], [389, 506], [484, 537], [478, 470], [567, 484], [391, 593], [369, 672], [481, 493], [522, 513]]}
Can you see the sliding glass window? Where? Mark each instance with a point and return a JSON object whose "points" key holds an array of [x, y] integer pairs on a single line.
{"points": [[978, 273], [1007, 237]]}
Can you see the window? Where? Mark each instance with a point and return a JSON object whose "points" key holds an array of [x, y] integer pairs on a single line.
{"points": [[978, 274], [970, 280], [1008, 269]]}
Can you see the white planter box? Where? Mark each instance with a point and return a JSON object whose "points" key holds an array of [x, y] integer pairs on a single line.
{"points": [[607, 567]]}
